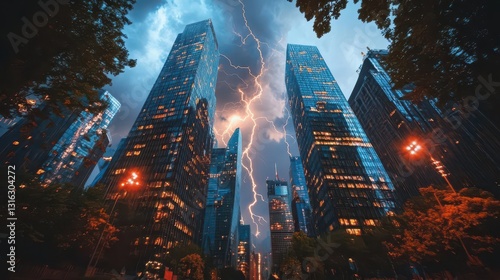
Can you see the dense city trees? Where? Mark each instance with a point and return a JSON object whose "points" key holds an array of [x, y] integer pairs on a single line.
{"points": [[337, 255], [440, 233], [60, 51], [444, 49], [57, 223], [191, 267], [443, 230]]}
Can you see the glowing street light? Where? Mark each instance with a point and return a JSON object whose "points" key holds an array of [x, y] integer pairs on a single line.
{"points": [[129, 183], [414, 148]]}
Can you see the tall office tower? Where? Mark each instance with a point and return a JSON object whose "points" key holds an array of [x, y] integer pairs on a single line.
{"points": [[280, 221], [220, 230], [265, 265], [301, 207], [254, 266], [167, 152], [74, 156], [27, 144], [59, 147], [467, 145], [348, 186], [244, 250]]}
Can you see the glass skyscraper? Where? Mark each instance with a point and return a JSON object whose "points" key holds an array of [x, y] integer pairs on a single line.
{"points": [[244, 247], [348, 186], [74, 156], [467, 143], [280, 221], [301, 207], [168, 150], [59, 147], [222, 213]]}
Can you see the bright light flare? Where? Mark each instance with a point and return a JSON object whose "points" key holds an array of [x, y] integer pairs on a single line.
{"points": [[248, 115]]}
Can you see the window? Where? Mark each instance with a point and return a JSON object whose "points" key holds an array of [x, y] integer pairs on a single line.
{"points": [[353, 231]]}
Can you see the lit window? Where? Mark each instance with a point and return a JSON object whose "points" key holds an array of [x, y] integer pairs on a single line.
{"points": [[353, 231], [119, 171]]}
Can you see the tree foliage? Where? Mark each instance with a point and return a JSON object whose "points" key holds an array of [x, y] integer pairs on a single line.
{"points": [[434, 226], [180, 251], [291, 269], [62, 52], [191, 267], [444, 49], [58, 219]]}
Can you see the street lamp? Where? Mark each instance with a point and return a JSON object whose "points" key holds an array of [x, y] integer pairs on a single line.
{"points": [[414, 148], [129, 183]]}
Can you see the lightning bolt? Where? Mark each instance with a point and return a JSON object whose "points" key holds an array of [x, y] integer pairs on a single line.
{"points": [[250, 92], [248, 114]]}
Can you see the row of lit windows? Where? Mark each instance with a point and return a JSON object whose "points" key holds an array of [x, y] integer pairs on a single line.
{"points": [[343, 143], [131, 153], [182, 227]]}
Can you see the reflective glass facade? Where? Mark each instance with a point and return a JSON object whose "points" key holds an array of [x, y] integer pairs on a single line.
{"points": [[301, 207], [348, 186], [280, 221], [244, 247], [465, 142], [58, 147], [220, 231], [168, 148], [75, 154]]}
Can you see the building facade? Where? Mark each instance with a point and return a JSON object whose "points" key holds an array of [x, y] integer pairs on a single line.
{"points": [[76, 153], [348, 185], [464, 143], [59, 147], [301, 207], [244, 250], [168, 149], [220, 230], [280, 221]]}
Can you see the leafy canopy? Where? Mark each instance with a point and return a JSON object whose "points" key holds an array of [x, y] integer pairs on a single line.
{"points": [[434, 226], [444, 49], [64, 57]]}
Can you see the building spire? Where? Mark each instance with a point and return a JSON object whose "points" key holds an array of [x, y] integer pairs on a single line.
{"points": [[276, 171]]}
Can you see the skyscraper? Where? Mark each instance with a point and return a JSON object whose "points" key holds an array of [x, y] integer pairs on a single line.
{"points": [[465, 143], [280, 221], [168, 148], [301, 207], [59, 147], [348, 186], [220, 230], [76, 153], [244, 247]]}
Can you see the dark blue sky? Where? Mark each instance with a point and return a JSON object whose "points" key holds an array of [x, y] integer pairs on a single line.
{"points": [[156, 23]]}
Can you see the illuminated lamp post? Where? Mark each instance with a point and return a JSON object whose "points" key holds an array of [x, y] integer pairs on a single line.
{"points": [[414, 148], [129, 183]]}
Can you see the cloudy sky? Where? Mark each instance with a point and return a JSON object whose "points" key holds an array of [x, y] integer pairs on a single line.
{"points": [[249, 33]]}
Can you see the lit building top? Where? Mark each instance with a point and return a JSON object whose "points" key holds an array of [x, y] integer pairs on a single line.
{"points": [[169, 145], [349, 186]]}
